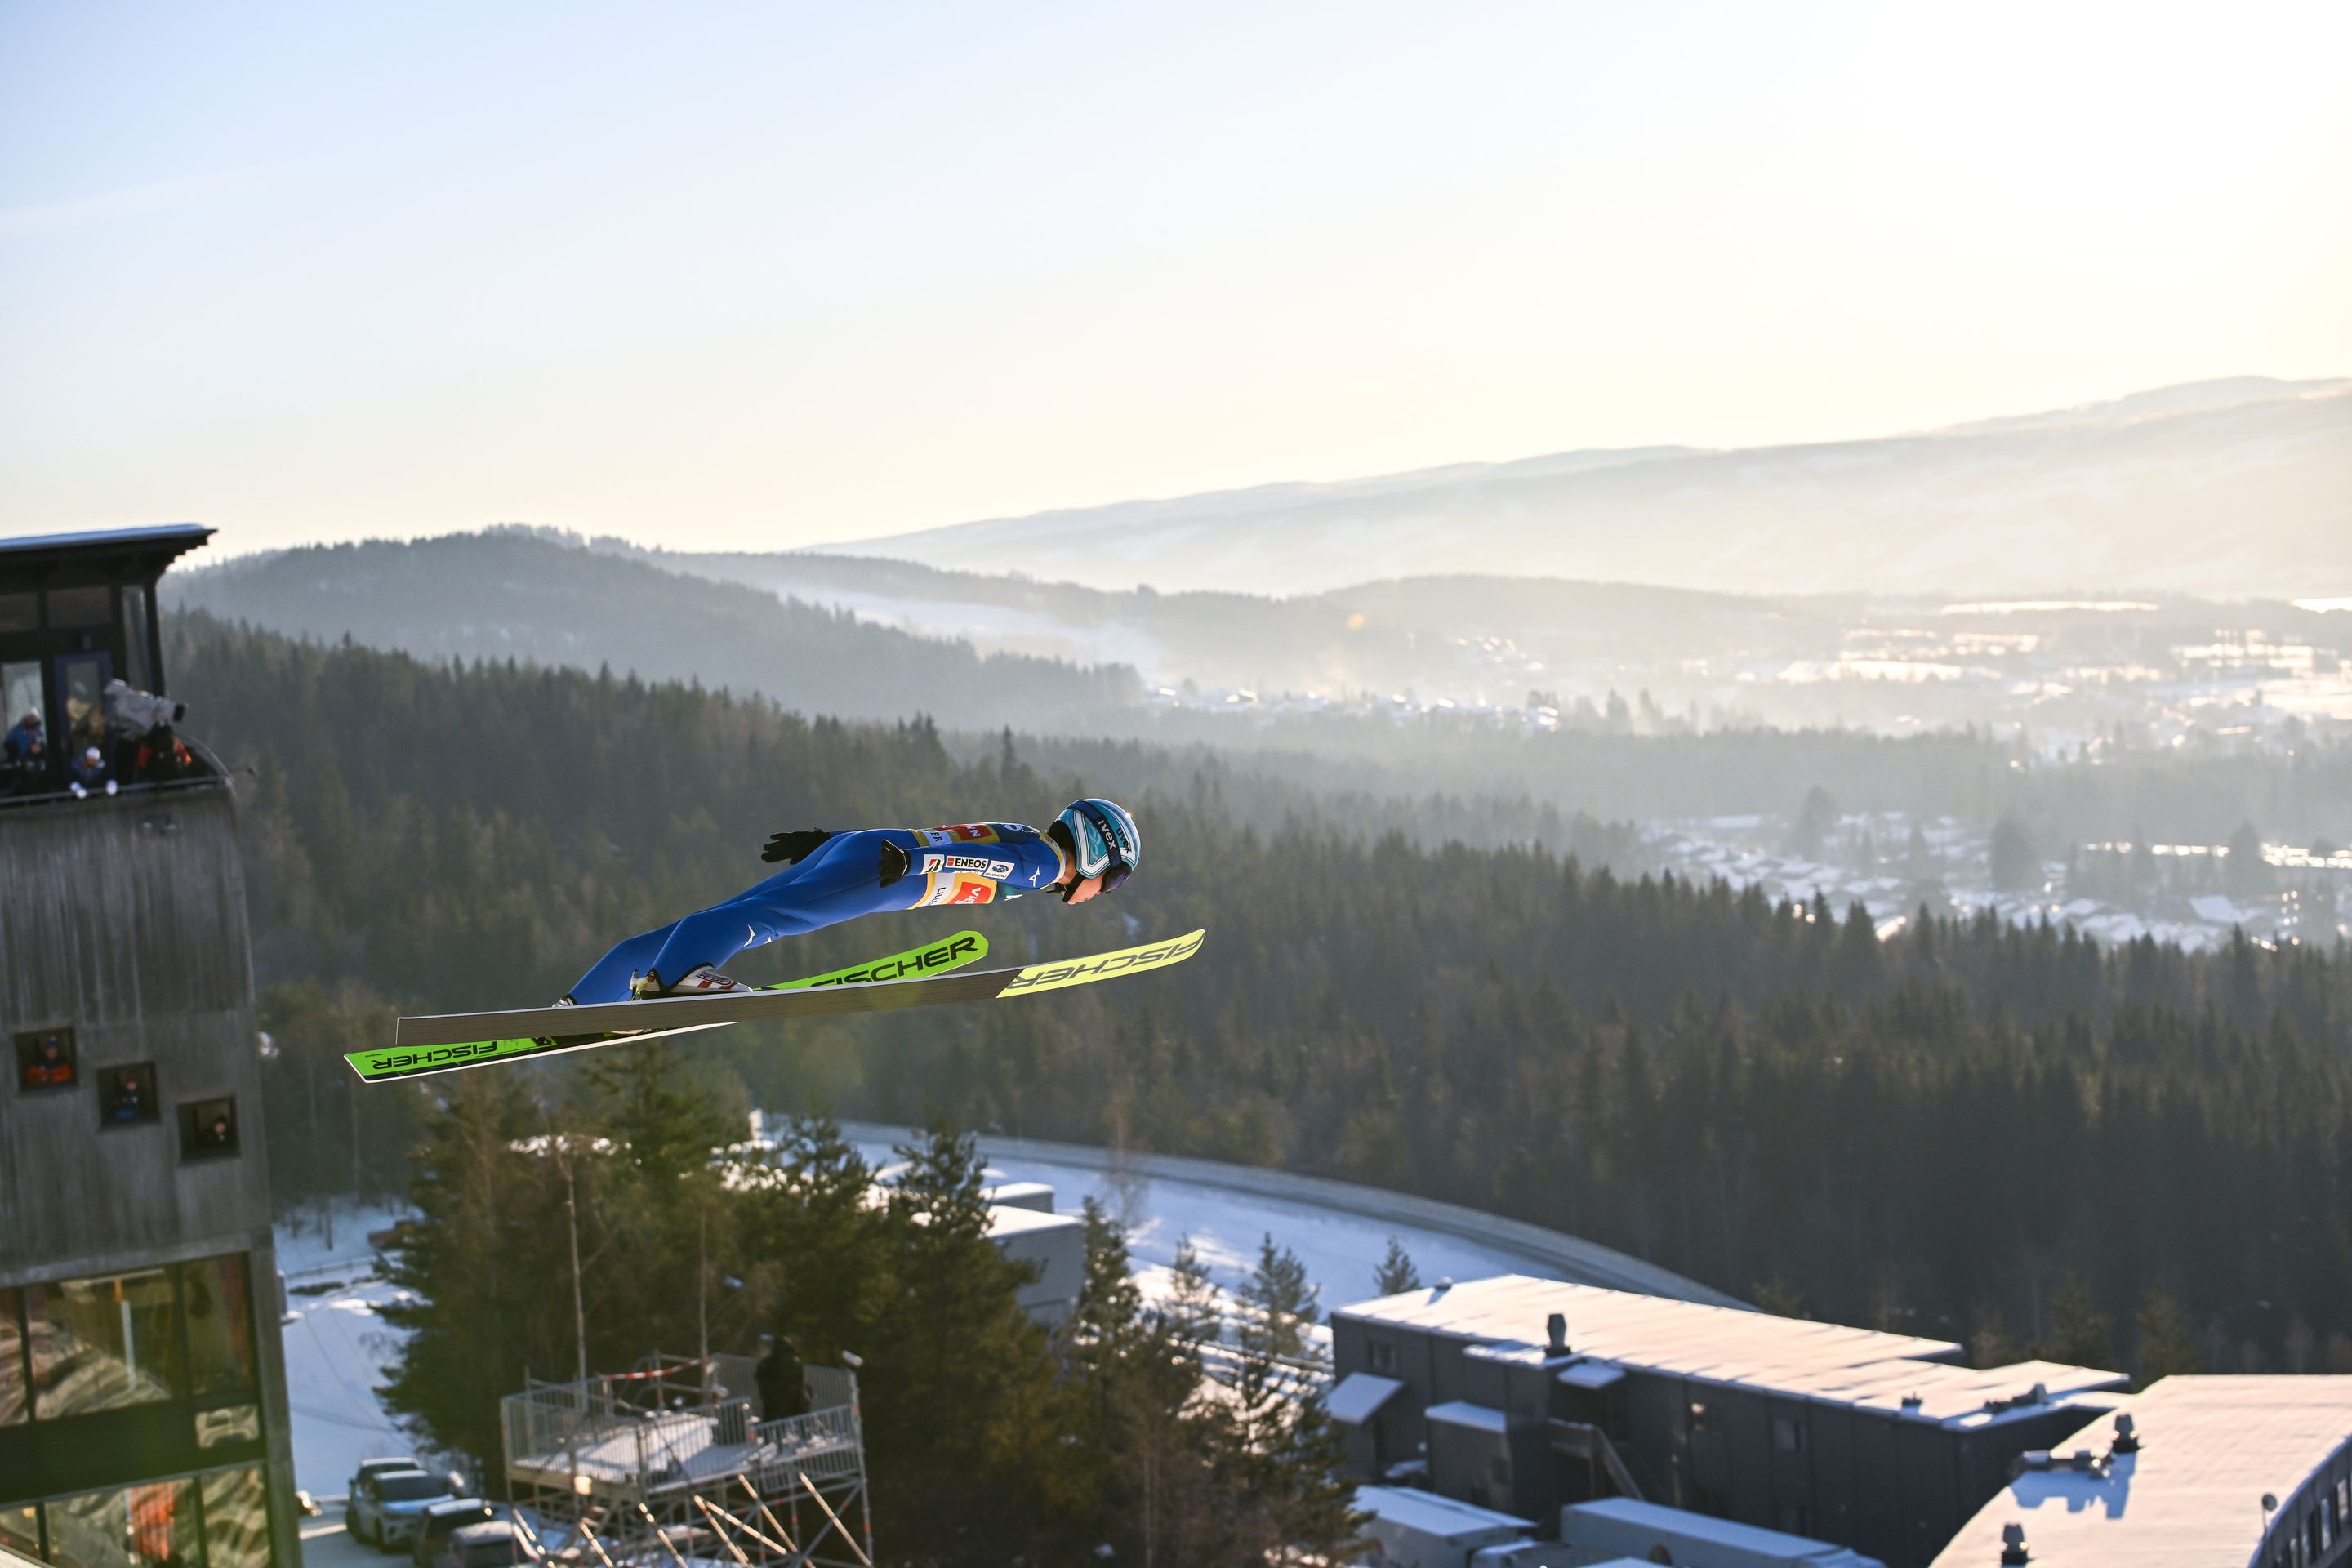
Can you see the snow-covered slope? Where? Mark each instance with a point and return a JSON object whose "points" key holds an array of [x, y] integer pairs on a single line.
{"points": [[2241, 487]]}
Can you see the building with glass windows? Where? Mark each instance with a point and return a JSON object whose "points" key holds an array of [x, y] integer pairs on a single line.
{"points": [[143, 1395]]}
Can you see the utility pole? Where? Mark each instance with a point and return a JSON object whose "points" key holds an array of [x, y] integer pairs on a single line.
{"points": [[572, 1218], [702, 1287]]}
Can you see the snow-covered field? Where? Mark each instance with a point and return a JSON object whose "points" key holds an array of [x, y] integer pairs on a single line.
{"points": [[1340, 1250], [337, 1347]]}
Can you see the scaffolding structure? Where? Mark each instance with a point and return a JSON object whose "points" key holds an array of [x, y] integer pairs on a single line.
{"points": [[668, 1466]]}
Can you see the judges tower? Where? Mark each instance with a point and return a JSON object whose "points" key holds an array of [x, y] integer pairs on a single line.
{"points": [[143, 1391]]}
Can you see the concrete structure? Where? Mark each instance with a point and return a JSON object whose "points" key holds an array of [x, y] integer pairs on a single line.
{"points": [[142, 1393], [2213, 1472], [1411, 1528], [1622, 1530], [1526, 1394]]}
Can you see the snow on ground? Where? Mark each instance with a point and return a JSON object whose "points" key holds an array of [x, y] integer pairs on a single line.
{"points": [[338, 1349], [1340, 1250]]}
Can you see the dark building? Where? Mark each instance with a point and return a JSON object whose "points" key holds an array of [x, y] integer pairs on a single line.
{"points": [[142, 1393], [1527, 1395]]}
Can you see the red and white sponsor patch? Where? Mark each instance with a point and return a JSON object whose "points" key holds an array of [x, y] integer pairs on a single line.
{"points": [[961, 833], [958, 887], [980, 863]]}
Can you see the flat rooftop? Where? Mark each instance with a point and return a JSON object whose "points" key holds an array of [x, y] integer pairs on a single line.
{"points": [[1436, 1515], [2191, 1497], [1825, 1361]]}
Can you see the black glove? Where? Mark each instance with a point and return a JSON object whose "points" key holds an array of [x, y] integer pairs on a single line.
{"points": [[793, 848], [893, 863]]}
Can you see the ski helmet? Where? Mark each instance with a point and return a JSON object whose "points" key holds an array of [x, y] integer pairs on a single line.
{"points": [[1102, 840]]}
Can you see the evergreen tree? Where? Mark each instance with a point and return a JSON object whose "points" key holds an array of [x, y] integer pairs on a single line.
{"points": [[1815, 819], [2168, 1343], [1193, 1309], [1396, 1275], [1287, 1445], [2080, 1333], [2016, 863], [2245, 873]]}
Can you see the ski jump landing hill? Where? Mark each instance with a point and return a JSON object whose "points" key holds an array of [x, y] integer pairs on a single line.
{"points": [[1555, 1255]]}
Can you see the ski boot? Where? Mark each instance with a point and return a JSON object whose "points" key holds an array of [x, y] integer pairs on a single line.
{"points": [[702, 980]]}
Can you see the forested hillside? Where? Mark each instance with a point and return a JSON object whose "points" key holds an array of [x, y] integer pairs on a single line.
{"points": [[509, 595], [1932, 1131]]}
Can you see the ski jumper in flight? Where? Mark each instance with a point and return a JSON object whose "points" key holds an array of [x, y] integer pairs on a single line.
{"points": [[829, 877]]}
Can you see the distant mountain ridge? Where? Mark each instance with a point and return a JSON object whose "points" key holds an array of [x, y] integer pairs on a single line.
{"points": [[2237, 487], [507, 594]]}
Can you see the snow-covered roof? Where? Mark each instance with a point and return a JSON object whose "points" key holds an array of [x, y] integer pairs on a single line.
{"points": [[1827, 1362], [1613, 1524], [1591, 1374], [1429, 1513], [1461, 1413], [1358, 1397], [2210, 1448]]}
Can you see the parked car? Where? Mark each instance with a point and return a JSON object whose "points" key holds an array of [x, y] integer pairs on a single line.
{"points": [[359, 1478], [497, 1545], [387, 1507], [441, 1520]]}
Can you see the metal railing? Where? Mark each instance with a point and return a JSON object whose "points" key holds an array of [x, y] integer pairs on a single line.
{"points": [[674, 1425]]}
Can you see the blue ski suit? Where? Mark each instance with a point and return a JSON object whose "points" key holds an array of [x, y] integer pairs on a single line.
{"points": [[841, 878]]}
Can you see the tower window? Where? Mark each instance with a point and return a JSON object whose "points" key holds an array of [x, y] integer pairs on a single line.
{"points": [[44, 1059], [207, 1129]]}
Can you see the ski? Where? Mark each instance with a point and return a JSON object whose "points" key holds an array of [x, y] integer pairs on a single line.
{"points": [[448, 1042], [932, 958]]}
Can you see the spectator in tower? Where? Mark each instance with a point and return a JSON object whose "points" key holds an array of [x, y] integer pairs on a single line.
{"points": [[218, 1135], [90, 772], [24, 757], [129, 1100], [50, 1066], [25, 741]]}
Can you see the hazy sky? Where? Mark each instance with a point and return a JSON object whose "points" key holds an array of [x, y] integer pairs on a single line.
{"points": [[760, 275]]}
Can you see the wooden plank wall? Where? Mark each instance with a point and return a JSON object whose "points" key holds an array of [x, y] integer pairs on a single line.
{"points": [[125, 918]]}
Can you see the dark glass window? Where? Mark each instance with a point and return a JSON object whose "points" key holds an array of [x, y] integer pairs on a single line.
{"points": [[25, 754], [14, 1405], [20, 613], [44, 1059], [236, 1520], [207, 1128], [220, 1325], [127, 1527], [81, 693], [500, 1552], [100, 1344], [126, 1095], [137, 656], [1789, 1434], [20, 1530], [88, 606], [404, 1485]]}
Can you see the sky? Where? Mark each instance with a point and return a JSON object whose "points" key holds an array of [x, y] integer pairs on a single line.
{"points": [[753, 276]]}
